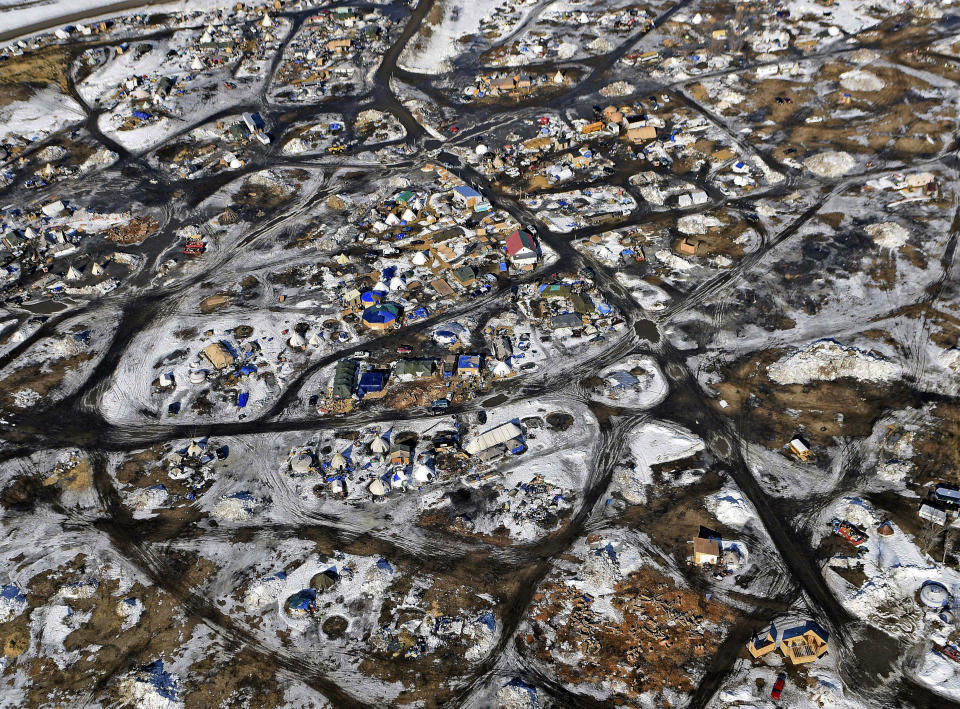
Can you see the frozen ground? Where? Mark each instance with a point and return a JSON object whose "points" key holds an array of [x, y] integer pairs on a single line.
{"points": [[403, 354]]}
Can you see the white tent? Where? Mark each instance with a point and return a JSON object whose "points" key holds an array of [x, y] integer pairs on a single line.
{"points": [[379, 446], [302, 463], [296, 341], [396, 283], [378, 488], [338, 462], [422, 473]]}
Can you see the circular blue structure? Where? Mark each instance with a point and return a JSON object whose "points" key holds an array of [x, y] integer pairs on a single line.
{"points": [[382, 316]]}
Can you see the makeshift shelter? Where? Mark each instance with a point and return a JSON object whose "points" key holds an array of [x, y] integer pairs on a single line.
{"points": [[301, 463], [344, 379], [218, 355], [325, 580], [372, 382], [495, 436]]}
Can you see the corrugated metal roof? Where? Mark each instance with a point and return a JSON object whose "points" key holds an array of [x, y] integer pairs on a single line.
{"points": [[500, 434]]}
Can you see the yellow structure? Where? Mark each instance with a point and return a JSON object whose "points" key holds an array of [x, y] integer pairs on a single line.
{"points": [[218, 355], [800, 450], [706, 551], [798, 642]]}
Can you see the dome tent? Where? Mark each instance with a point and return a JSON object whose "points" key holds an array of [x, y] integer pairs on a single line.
{"points": [[296, 341], [302, 463], [302, 602], [325, 580]]}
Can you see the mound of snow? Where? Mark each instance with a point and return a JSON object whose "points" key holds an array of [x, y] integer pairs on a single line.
{"points": [[671, 260], [601, 45], [888, 235], [25, 398], [859, 80], [617, 88], [855, 510], [827, 361], [235, 508], [147, 498], [730, 508], [832, 163], [12, 603], [517, 695], [652, 443], [894, 471], [950, 359], [696, 223], [150, 688], [295, 147]]}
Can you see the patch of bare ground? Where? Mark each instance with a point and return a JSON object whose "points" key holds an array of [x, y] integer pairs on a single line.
{"points": [[431, 678], [662, 632], [48, 65], [76, 475], [936, 447], [38, 378], [421, 393], [134, 231], [672, 516], [772, 413], [109, 647]]}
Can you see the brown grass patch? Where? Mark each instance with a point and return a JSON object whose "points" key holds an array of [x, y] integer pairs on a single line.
{"points": [[43, 66]]}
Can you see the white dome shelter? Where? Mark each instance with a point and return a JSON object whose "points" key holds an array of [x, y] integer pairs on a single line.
{"points": [[934, 595]]}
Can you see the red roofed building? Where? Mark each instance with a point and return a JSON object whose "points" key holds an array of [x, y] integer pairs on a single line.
{"points": [[522, 250]]}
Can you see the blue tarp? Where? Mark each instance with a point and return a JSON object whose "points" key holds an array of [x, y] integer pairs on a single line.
{"points": [[302, 600], [384, 565], [488, 620], [242, 399], [12, 592], [370, 382], [141, 115], [162, 680]]}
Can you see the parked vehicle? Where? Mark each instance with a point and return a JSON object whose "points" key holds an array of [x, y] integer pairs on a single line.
{"points": [[778, 686]]}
